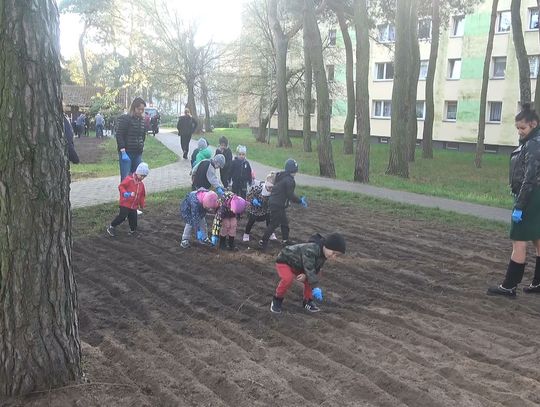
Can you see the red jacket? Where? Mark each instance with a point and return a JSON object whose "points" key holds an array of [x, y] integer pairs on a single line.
{"points": [[129, 184]]}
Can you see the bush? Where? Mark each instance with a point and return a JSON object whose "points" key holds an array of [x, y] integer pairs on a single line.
{"points": [[222, 120]]}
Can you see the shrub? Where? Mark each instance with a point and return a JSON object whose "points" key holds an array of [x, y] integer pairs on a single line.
{"points": [[222, 120]]}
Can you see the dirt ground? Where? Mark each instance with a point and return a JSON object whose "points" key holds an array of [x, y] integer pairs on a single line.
{"points": [[405, 320]]}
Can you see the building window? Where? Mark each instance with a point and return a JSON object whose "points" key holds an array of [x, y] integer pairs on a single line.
{"points": [[420, 109], [454, 68], [332, 37], [450, 110], [495, 112], [533, 18], [424, 29], [386, 33], [499, 67], [458, 26], [330, 72], [504, 22], [382, 108], [384, 70], [533, 65], [423, 69]]}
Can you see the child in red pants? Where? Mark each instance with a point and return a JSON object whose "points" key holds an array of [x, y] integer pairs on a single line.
{"points": [[302, 262]]}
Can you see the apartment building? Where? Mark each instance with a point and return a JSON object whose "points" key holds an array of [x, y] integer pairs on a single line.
{"points": [[458, 77]]}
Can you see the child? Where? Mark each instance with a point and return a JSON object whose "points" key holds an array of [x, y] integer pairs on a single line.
{"points": [[257, 209], [303, 262], [132, 194], [241, 172], [202, 152], [225, 221], [227, 153], [193, 210], [282, 194]]}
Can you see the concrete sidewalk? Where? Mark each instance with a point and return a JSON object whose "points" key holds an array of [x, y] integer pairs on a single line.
{"points": [[95, 191]]}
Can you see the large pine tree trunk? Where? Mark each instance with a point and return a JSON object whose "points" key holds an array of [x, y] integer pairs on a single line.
{"points": [[398, 163], [314, 47], [361, 25], [349, 79], [427, 135], [412, 127], [521, 53], [281, 42], [39, 337], [483, 92]]}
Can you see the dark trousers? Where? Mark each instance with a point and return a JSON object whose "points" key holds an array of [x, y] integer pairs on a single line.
{"points": [[278, 217], [252, 219], [130, 214], [184, 142]]}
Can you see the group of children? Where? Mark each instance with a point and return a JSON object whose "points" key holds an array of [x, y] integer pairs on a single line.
{"points": [[265, 202]]}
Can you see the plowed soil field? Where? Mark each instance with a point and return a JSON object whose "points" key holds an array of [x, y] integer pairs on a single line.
{"points": [[405, 320]]}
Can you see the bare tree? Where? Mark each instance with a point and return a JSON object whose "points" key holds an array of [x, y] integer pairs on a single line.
{"points": [[483, 92], [39, 336], [412, 124], [308, 98], [521, 53]]}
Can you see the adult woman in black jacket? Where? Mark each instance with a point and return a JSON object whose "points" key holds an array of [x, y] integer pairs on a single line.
{"points": [[130, 138], [525, 184]]}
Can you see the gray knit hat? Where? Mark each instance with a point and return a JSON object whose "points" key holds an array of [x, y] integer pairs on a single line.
{"points": [[202, 144], [142, 169], [219, 160]]}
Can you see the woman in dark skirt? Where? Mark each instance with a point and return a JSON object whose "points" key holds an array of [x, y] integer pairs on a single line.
{"points": [[525, 184]]}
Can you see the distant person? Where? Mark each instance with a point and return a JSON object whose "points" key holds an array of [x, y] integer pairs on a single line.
{"points": [[303, 262], [147, 119], [86, 126], [240, 172], [81, 124], [186, 127], [68, 133], [203, 175], [224, 149], [154, 124], [132, 196], [193, 210], [525, 186], [130, 138], [100, 125]]}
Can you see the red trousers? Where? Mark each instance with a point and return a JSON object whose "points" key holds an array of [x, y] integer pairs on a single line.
{"points": [[288, 275]]}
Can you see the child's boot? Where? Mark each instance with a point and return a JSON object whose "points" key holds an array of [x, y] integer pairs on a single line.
{"points": [[275, 306], [222, 242], [513, 277], [534, 287], [232, 246], [110, 231], [310, 306]]}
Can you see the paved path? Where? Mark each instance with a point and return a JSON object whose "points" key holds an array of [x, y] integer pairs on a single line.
{"points": [[95, 191]]}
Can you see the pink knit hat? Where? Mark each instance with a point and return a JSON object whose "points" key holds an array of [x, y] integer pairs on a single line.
{"points": [[238, 205], [210, 200]]}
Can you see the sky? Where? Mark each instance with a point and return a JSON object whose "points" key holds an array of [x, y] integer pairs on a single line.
{"points": [[219, 20]]}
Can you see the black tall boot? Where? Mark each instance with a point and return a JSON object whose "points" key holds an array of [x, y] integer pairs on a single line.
{"points": [[513, 277], [232, 246], [222, 242], [535, 285]]}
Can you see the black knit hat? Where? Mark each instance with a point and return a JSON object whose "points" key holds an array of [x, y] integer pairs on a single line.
{"points": [[291, 166], [336, 242]]}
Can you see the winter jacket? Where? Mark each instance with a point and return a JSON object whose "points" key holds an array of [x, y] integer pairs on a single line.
{"points": [[130, 184], [203, 154], [223, 212], [203, 175], [525, 169], [308, 257], [130, 134], [225, 171], [68, 133], [283, 191], [191, 210], [186, 125], [256, 192], [240, 176]]}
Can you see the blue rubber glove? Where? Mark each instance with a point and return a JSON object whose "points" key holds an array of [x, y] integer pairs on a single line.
{"points": [[255, 202], [220, 191], [303, 201], [200, 235], [317, 293], [127, 194], [517, 215], [214, 240], [125, 157]]}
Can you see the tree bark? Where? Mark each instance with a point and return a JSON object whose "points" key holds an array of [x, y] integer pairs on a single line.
{"points": [[427, 135], [414, 55], [484, 89], [281, 42], [308, 98], [39, 336], [84, 63], [401, 102], [314, 47], [263, 122], [204, 94], [521, 53], [537, 87], [349, 80], [363, 126]]}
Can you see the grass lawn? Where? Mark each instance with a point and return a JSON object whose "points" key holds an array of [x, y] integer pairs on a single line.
{"points": [[449, 175], [155, 154]]}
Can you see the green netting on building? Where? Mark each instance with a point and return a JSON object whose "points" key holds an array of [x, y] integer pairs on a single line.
{"points": [[472, 68], [468, 110], [477, 24]]}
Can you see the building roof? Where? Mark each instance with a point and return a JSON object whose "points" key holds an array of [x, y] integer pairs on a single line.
{"points": [[76, 95]]}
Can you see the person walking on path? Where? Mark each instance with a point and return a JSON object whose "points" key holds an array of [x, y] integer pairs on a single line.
{"points": [[132, 195], [186, 127], [525, 185], [100, 124], [303, 262], [130, 138], [81, 124]]}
